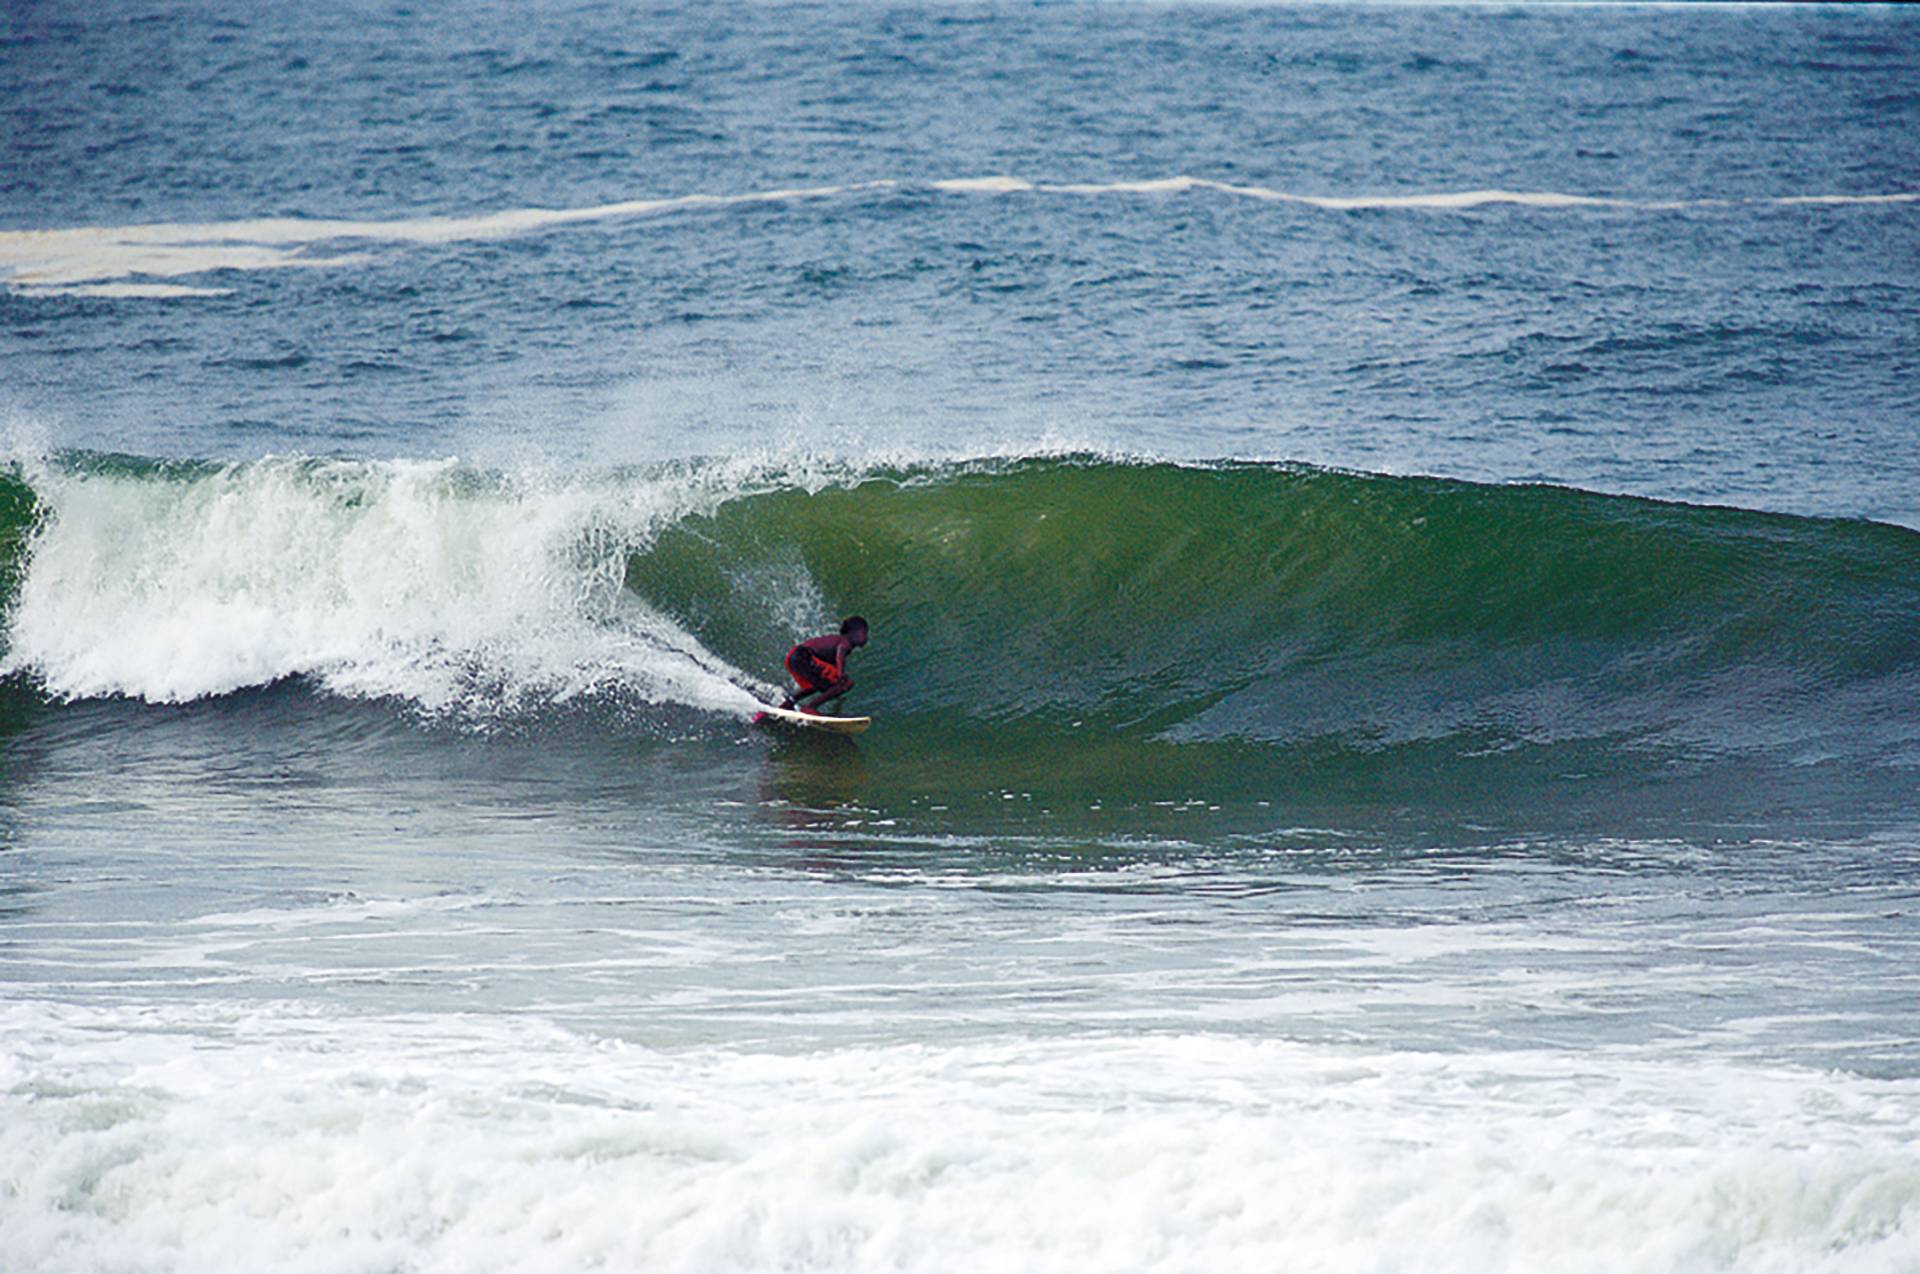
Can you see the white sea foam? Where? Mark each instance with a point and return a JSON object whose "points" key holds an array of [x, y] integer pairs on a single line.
{"points": [[59, 261], [180, 1138], [124, 291], [54, 259], [415, 579]]}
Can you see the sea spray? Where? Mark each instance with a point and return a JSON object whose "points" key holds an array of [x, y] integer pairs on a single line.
{"points": [[417, 580]]}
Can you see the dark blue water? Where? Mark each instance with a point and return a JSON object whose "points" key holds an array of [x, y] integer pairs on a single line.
{"points": [[1339, 798], [1731, 348]]}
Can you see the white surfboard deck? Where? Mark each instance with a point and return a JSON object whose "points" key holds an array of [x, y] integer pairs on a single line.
{"points": [[833, 725]]}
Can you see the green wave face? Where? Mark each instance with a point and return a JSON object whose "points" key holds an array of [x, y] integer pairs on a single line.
{"points": [[1301, 621], [18, 514]]}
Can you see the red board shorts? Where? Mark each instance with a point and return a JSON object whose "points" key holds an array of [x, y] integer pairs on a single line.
{"points": [[810, 671]]}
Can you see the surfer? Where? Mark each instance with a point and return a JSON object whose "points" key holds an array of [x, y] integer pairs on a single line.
{"points": [[819, 666]]}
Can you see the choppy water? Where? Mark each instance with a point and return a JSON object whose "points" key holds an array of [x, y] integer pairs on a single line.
{"points": [[1390, 540]]}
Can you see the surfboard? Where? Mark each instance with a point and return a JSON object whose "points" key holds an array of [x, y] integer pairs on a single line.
{"points": [[832, 725]]}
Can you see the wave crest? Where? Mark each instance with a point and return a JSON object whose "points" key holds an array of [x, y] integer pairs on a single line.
{"points": [[419, 580]]}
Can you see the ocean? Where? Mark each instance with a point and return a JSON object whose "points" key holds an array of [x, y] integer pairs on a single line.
{"points": [[1392, 541]]}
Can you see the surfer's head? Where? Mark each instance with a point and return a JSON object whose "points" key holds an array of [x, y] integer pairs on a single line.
{"points": [[854, 629]]}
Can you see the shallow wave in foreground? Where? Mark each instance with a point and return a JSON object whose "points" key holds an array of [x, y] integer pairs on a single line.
{"points": [[438, 1142]]}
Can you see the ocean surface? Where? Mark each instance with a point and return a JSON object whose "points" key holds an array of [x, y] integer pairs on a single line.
{"points": [[1392, 537]]}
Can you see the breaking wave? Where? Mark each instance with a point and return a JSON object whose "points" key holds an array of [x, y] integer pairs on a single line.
{"points": [[1130, 622]]}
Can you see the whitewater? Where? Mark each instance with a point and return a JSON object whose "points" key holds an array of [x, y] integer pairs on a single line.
{"points": [[1392, 548], [100, 261], [409, 580], [419, 1148]]}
